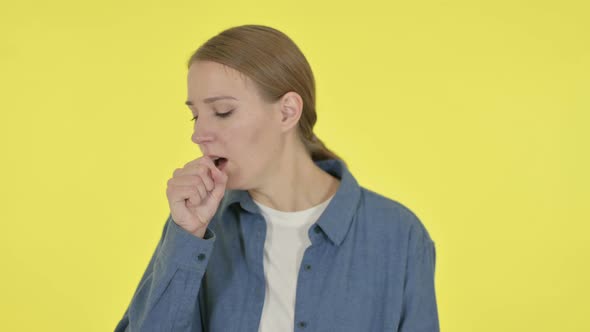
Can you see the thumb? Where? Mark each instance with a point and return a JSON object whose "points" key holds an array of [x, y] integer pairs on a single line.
{"points": [[220, 180]]}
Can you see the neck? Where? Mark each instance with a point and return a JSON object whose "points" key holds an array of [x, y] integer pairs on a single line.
{"points": [[295, 184]]}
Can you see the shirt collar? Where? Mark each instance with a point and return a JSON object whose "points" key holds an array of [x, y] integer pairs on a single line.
{"points": [[336, 219]]}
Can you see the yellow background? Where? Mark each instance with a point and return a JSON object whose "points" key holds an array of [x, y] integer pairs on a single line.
{"points": [[473, 114]]}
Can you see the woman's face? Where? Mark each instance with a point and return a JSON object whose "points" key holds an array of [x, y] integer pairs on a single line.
{"points": [[233, 122]]}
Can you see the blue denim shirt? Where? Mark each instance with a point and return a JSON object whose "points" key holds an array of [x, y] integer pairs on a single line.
{"points": [[370, 267]]}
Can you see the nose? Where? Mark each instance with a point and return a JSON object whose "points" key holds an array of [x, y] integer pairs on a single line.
{"points": [[201, 134], [201, 139]]}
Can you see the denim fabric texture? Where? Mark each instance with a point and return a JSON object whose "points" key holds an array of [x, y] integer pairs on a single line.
{"points": [[370, 267]]}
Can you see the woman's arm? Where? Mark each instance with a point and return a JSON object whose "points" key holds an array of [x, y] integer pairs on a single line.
{"points": [[419, 312], [165, 298]]}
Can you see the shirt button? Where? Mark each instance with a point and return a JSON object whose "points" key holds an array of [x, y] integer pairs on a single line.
{"points": [[317, 229], [302, 324], [201, 256], [307, 267]]}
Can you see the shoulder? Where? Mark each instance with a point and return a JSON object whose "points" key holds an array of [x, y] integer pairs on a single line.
{"points": [[389, 215]]}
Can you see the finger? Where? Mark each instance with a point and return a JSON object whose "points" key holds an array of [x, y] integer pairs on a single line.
{"points": [[202, 191], [220, 179], [202, 159], [194, 183], [207, 178], [212, 169], [204, 168], [192, 180], [208, 162], [192, 162], [177, 172], [194, 200], [181, 193], [191, 165], [183, 180]]}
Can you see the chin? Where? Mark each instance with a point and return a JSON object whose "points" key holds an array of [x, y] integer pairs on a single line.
{"points": [[230, 187], [233, 185]]}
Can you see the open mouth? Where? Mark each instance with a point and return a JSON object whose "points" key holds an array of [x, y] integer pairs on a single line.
{"points": [[220, 162]]}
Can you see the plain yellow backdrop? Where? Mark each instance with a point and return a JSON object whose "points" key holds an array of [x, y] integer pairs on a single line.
{"points": [[473, 114]]}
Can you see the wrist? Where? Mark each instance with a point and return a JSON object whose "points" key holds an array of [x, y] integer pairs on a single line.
{"points": [[200, 232]]}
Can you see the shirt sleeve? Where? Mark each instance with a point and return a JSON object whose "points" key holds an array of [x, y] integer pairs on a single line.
{"points": [[419, 311], [165, 298]]}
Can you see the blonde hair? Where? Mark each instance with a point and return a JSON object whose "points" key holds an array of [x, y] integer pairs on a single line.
{"points": [[276, 65]]}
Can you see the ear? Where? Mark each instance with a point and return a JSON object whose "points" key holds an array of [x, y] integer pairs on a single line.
{"points": [[291, 107]]}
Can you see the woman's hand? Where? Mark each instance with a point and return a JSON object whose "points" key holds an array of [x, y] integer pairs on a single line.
{"points": [[194, 193]]}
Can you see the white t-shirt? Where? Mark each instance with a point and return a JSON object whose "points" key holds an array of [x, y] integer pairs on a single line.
{"points": [[285, 243]]}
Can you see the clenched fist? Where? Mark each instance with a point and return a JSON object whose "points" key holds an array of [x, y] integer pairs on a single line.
{"points": [[194, 193]]}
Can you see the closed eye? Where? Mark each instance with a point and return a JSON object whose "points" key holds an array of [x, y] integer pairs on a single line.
{"points": [[224, 115], [220, 115]]}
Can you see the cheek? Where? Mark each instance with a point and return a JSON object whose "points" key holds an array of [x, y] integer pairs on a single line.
{"points": [[243, 141], [257, 136], [253, 134], [255, 148]]}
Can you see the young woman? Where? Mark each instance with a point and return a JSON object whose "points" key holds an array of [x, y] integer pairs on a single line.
{"points": [[268, 230]]}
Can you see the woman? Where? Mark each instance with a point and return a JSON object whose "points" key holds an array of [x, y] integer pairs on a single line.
{"points": [[268, 230]]}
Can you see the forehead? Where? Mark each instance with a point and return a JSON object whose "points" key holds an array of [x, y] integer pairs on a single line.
{"points": [[207, 78]]}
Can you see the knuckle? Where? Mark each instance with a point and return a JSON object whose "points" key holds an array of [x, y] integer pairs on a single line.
{"points": [[193, 180], [202, 170], [204, 160]]}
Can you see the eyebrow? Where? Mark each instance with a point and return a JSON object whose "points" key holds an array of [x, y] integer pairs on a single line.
{"points": [[210, 100]]}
